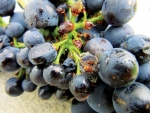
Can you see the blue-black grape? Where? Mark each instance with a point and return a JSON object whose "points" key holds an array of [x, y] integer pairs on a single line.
{"points": [[144, 73], [40, 14], [28, 85], [147, 84], [116, 35], [81, 107], [63, 95], [18, 17], [22, 58], [55, 75], [69, 65], [100, 99], [42, 53], [138, 45], [33, 37], [8, 60], [36, 76], [97, 46], [88, 66], [2, 31], [118, 67], [45, 92], [7, 7], [118, 12], [94, 5], [14, 29], [13, 87], [4, 41], [132, 99], [80, 87]]}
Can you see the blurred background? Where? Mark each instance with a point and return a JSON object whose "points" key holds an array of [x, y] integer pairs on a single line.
{"points": [[31, 103]]}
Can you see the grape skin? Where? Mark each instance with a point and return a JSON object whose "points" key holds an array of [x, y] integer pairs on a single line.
{"points": [[132, 99], [118, 68], [36, 76], [13, 87], [8, 62], [33, 37], [40, 14], [121, 12], [116, 35], [7, 7]]}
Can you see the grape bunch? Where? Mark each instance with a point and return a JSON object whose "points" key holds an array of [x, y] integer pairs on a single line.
{"points": [[77, 49]]}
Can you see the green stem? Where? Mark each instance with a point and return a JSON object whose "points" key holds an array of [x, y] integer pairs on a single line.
{"points": [[97, 18], [76, 58], [73, 19], [55, 32], [70, 2], [85, 15], [76, 49], [61, 51], [74, 33], [70, 14], [2, 22], [18, 44], [45, 32], [58, 44], [21, 74], [93, 20], [77, 61], [22, 3]]}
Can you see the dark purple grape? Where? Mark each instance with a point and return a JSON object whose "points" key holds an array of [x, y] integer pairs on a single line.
{"points": [[80, 87], [40, 14], [94, 5], [36, 76], [57, 2], [116, 35], [8, 60], [7, 7], [139, 46], [13, 87], [53, 74], [118, 67], [42, 53], [28, 85], [148, 84], [4, 41], [132, 99], [100, 99], [97, 46], [144, 73], [118, 12], [22, 58], [18, 17], [14, 29], [69, 65], [64, 82], [88, 63], [45, 92], [32, 38], [88, 66], [63, 95], [81, 107], [2, 31]]}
